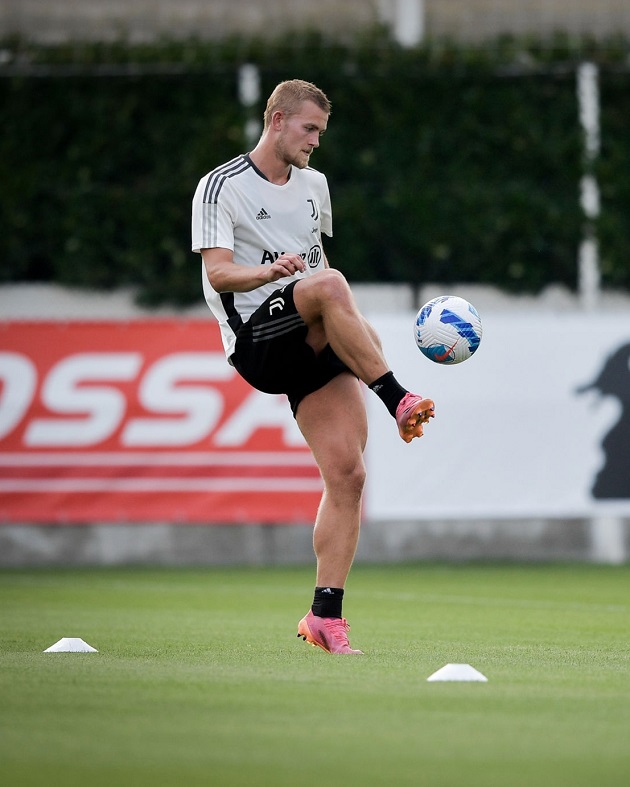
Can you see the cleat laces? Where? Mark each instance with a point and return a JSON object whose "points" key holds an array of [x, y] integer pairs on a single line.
{"points": [[339, 628]]}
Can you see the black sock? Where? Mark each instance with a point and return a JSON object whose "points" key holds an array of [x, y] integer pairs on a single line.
{"points": [[327, 602], [389, 390]]}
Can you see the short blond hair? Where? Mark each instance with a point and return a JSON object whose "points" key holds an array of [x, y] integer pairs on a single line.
{"points": [[288, 97]]}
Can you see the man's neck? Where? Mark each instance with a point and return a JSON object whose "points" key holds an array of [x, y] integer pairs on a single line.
{"points": [[275, 170]]}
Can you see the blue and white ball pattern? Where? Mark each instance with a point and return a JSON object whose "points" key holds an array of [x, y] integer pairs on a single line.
{"points": [[448, 329]]}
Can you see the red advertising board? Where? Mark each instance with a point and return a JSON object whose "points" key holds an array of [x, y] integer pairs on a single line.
{"points": [[142, 421]]}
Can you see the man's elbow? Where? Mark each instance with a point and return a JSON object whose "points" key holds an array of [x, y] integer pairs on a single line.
{"points": [[217, 280]]}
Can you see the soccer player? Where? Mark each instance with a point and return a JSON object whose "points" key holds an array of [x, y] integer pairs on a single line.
{"points": [[290, 324]]}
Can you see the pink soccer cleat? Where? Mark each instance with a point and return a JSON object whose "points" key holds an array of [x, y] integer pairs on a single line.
{"points": [[412, 412], [329, 634]]}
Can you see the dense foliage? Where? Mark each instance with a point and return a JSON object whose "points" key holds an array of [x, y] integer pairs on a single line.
{"points": [[444, 164]]}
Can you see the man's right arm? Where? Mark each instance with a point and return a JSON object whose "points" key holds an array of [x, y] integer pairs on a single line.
{"points": [[225, 275]]}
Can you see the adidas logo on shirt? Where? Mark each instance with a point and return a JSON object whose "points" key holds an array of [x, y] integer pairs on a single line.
{"points": [[262, 214]]}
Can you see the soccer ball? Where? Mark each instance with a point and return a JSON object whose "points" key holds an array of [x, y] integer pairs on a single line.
{"points": [[448, 329]]}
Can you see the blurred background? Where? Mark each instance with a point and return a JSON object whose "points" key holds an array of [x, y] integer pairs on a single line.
{"points": [[480, 148]]}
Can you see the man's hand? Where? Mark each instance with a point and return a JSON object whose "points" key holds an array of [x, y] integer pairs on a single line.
{"points": [[285, 265]]}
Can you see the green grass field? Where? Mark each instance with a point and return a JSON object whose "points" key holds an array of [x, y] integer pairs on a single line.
{"points": [[200, 679]]}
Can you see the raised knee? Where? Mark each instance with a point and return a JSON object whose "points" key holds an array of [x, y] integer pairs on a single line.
{"points": [[332, 285]]}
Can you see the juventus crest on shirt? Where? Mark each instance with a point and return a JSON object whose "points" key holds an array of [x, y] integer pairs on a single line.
{"points": [[235, 207]]}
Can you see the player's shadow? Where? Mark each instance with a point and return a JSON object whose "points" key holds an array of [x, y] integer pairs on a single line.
{"points": [[613, 480]]}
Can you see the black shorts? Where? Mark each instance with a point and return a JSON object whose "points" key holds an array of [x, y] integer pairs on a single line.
{"points": [[272, 355]]}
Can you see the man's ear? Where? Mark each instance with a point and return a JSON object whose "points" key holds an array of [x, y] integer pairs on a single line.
{"points": [[276, 119]]}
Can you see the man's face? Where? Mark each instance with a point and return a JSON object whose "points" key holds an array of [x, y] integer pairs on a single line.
{"points": [[300, 133]]}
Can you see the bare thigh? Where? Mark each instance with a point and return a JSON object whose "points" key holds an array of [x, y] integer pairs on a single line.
{"points": [[333, 421]]}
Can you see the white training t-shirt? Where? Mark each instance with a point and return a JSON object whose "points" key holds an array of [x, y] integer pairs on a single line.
{"points": [[235, 207]]}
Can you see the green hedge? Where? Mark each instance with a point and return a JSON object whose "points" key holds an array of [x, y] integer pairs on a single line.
{"points": [[444, 164]]}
